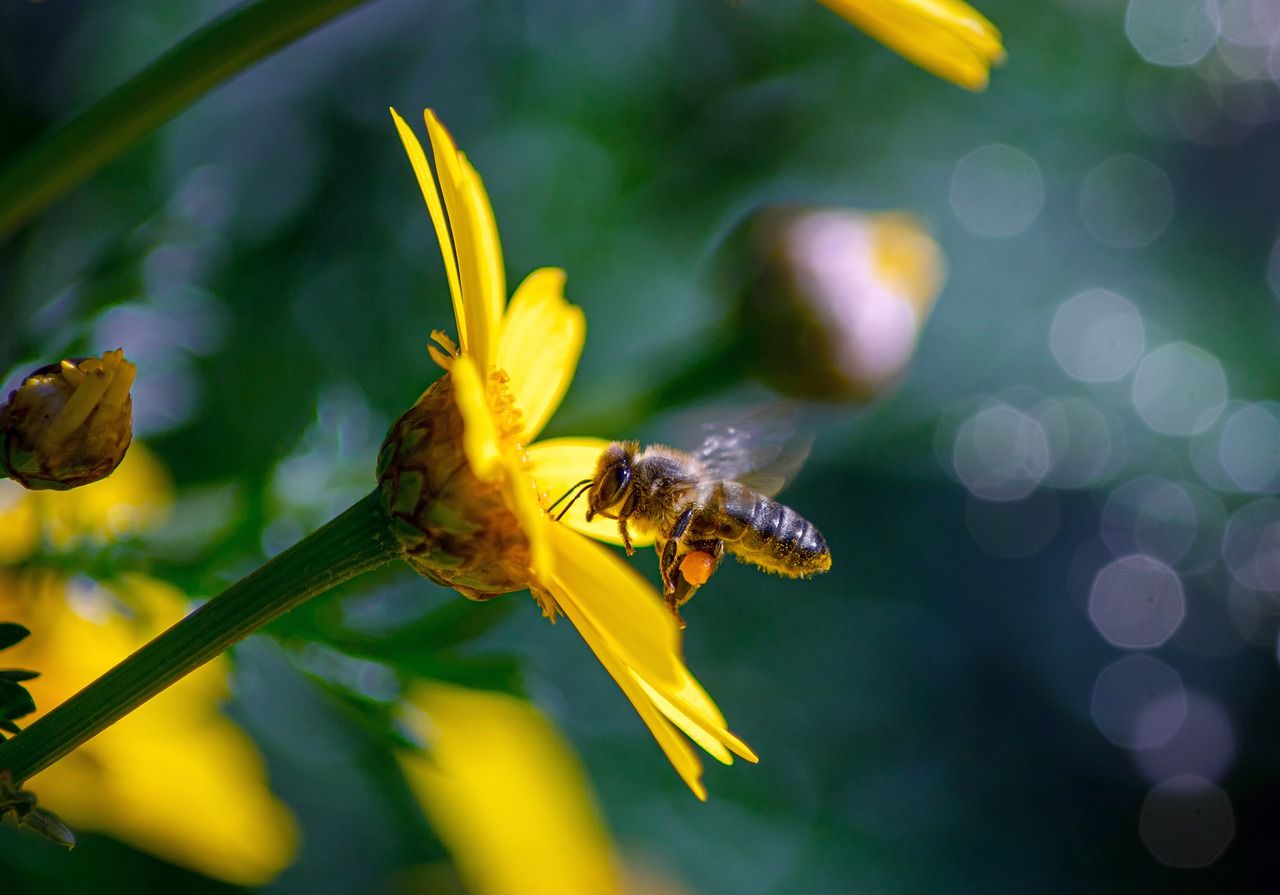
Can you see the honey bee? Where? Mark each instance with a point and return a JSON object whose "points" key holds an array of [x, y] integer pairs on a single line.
{"points": [[715, 499]]}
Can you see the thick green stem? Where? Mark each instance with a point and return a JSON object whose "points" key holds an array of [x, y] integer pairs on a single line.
{"points": [[358, 540], [230, 43]]}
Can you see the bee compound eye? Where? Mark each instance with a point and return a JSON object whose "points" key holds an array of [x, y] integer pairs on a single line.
{"points": [[619, 479]]}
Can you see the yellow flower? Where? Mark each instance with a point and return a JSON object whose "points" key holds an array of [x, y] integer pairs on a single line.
{"points": [[136, 497], [949, 38], [507, 374], [506, 795], [176, 778]]}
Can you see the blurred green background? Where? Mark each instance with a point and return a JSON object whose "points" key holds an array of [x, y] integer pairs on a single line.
{"points": [[1045, 658]]}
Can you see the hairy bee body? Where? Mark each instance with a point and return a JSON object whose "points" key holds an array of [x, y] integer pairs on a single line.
{"points": [[769, 534], [679, 498]]}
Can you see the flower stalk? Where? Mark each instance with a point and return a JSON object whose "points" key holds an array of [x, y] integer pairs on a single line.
{"points": [[64, 158], [357, 541]]}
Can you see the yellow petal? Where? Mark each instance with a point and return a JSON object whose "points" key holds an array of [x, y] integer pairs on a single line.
{"points": [[475, 238], [506, 794], [677, 750], [691, 709], [541, 342], [427, 183], [522, 496], [620, 604], [948, 38], [692, 729], [480, 440], [559, 463]]}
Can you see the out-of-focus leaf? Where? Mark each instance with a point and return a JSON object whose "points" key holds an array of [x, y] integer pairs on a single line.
{"points": [[17, 674], [11, 633], [15, 701]]}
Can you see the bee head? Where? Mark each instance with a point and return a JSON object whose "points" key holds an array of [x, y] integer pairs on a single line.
{"points": [[611, 484]]}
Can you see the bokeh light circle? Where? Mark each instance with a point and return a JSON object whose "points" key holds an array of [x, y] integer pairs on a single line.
{"points": [[1172, 32], [1187, 821], [1097, 336], [1204, 743], [1150, 515], [1251, 545], [1001, 453], [1125, 688], [1084, 442], [1137, 602], [1179, 389], [1126, 202], [1249, 447], [997, 190], [1251, 23]]}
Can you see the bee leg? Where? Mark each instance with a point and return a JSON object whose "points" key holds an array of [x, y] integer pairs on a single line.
{"points": [[671, 553], [626, 536], [684, 589], [669, 567]]}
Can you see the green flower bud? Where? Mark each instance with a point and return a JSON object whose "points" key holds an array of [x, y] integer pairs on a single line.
{"points": [[836, 299], [20, 805], [455, 528], [68, 424]]}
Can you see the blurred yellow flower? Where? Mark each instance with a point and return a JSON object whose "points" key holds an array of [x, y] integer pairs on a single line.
{"points": [[135, 498], [506, 795], [949, 38], [507, 374], [175, 778]]}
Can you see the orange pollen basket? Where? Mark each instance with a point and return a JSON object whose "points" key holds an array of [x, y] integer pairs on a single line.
{"points": [[696, 567]]}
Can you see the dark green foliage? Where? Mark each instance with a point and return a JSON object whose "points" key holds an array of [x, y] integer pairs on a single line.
{"points": [[15, 701]]}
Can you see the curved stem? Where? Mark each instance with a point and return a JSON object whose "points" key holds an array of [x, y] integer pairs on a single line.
{"points": [[62, 159], [356, 541]]}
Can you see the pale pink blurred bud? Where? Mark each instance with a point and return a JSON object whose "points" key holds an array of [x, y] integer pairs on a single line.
{"points": [[838, 299]]}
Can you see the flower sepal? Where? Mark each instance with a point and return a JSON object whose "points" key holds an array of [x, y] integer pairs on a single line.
{"points": [[19, 805], [455, 528]]}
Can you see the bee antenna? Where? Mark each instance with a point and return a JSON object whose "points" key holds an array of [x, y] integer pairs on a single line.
{"points": [[581, 491], [572, 488]]}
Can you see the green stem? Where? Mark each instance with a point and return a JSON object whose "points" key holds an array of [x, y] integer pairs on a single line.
{"points": [[225, 46], [358, 540]]}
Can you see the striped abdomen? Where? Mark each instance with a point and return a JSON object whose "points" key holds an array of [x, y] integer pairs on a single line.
{"points": [[771, 535]]}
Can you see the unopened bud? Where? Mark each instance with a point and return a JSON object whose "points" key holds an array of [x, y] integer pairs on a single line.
{"points": [[455, 528], [68, 424], [838, 299]]}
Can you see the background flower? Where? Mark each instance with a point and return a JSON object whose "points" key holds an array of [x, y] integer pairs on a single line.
{"points": [[947, 37], [175, 778]]}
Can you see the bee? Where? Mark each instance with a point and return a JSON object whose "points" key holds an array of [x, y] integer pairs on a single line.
{"points": [[699, 505]]}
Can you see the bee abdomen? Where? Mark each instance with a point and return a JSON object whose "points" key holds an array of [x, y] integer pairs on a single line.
{"points": [[778, 539]]}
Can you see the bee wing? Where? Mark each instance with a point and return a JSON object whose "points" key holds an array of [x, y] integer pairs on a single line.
{"points": [[763, 449]]}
